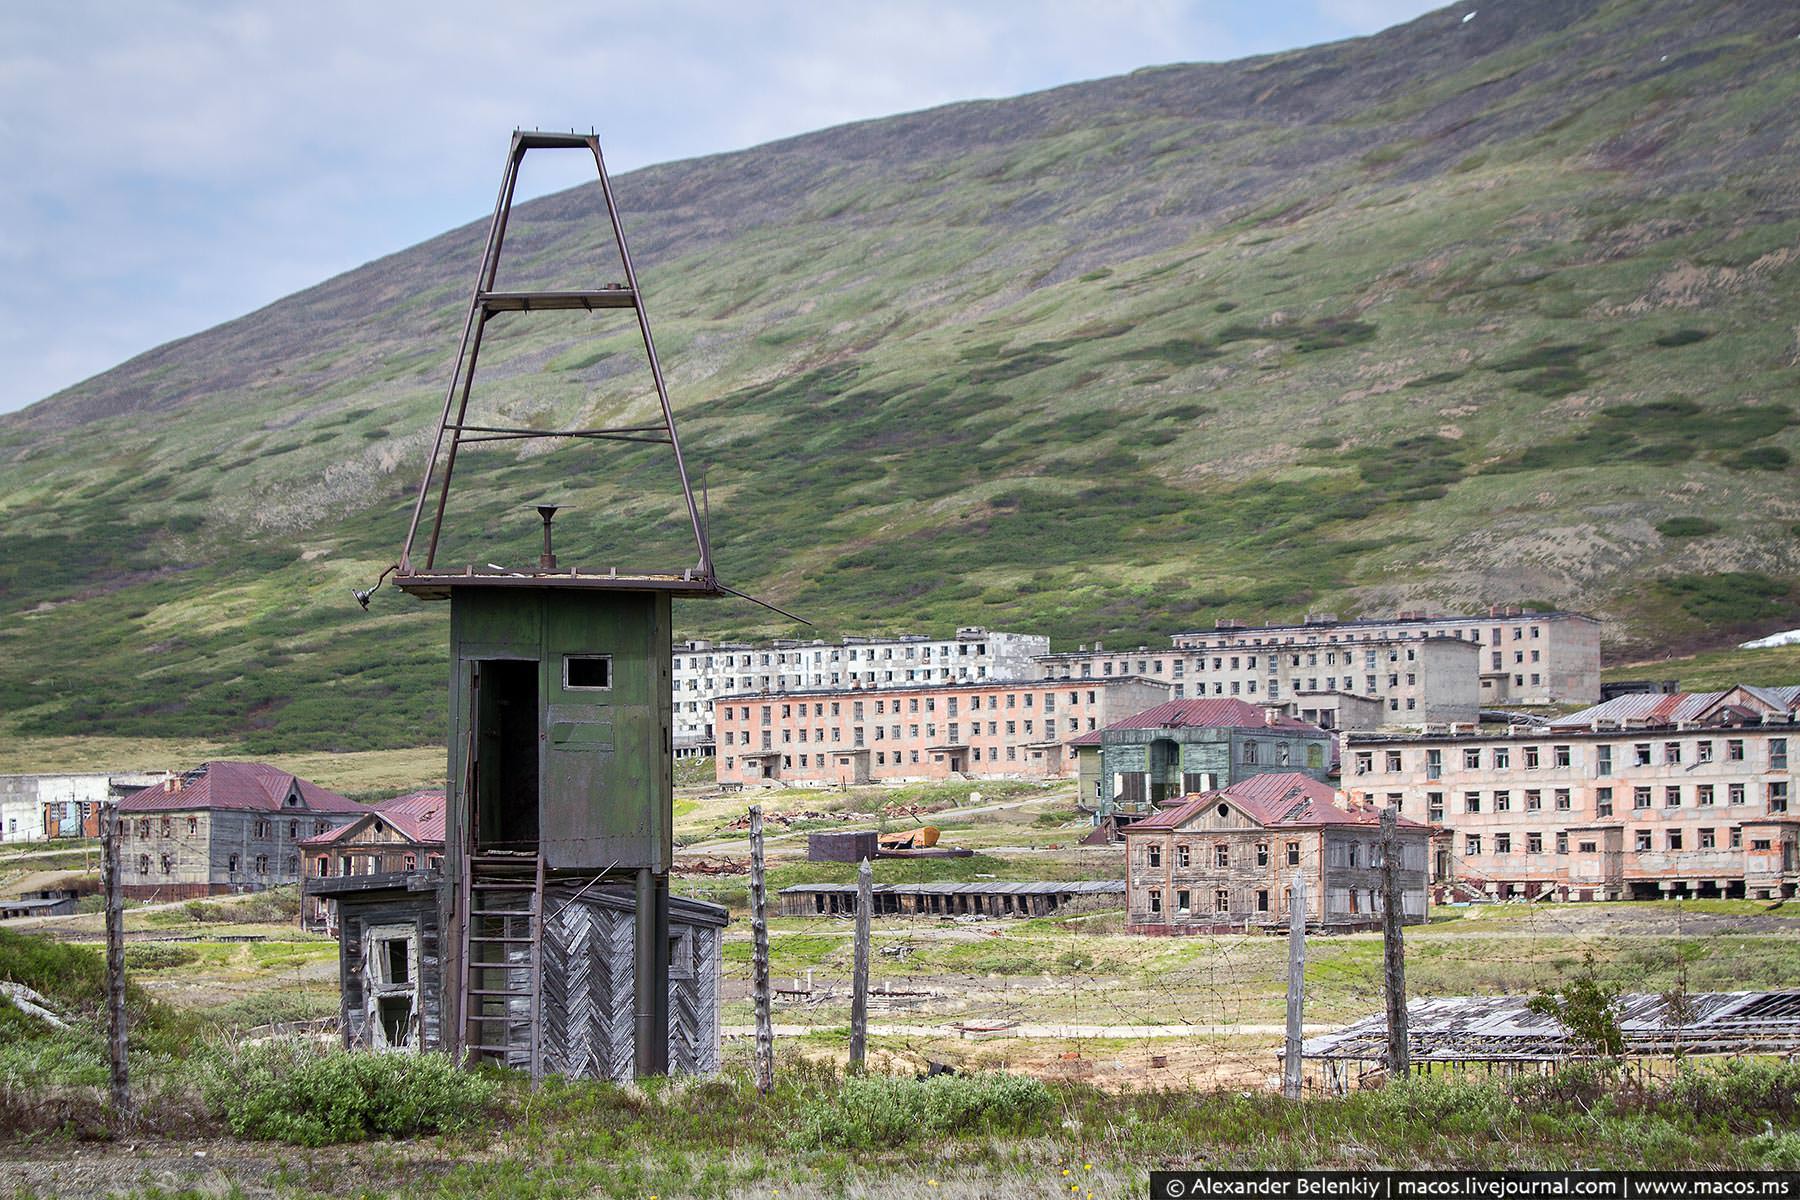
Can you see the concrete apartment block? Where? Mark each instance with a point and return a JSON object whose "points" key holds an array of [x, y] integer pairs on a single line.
{"points": [[1373, 682], [1522, 658], [998, 729], [1643, 796], [704, 671]]}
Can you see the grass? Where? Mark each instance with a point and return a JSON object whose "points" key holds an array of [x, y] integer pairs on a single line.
{"points": [[1716, 669], [1020, 1114], [1396, 378]]}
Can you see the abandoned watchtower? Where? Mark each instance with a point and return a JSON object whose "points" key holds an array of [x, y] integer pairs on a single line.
{"points": [[554, 903]]}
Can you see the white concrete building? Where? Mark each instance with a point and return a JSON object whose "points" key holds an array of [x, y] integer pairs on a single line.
{"points": [[706, 670], [1367, 684], [34, 808], [1418, 668]]}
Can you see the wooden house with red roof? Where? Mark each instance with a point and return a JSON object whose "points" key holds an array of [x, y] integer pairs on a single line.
{"points": [[1225, 860], [1131, 766], [396, 836], [223, 827]]}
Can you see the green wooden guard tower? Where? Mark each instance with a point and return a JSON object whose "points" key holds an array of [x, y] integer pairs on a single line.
{"points": [[560, 767]]}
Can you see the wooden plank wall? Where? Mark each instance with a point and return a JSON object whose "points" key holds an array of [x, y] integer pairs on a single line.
{"points": [[357, 914]]}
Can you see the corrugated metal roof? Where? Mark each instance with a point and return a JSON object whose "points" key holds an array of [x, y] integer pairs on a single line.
{"points": [[246, 786], [1211, 713], [1496, 1028], [1656, 708], [1275, 799], [419, 816], [1077, 887]]}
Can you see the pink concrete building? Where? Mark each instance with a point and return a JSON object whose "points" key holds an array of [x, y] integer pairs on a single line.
{"points": [[931, 731], [1639, 797]]}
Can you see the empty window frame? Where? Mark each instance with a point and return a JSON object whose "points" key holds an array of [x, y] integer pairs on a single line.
{"points": [[587, 672], [391, 987]]}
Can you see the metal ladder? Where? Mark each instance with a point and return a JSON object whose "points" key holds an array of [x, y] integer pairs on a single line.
{"points": [[505, 905]]}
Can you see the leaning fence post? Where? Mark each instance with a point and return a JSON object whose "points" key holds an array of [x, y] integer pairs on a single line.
{"points": [[759, 961], [1296, 988], [115, 959], [859, 983], [1393, 948]]}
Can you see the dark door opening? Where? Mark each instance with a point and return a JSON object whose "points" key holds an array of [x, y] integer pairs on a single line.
{"points": [[506, 756], [395, 1014]]}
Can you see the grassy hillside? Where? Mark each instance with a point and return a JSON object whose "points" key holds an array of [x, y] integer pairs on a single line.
{"points": [[1490, 311]]}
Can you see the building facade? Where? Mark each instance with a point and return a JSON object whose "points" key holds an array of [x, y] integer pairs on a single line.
{"points": [[223, 827], [40, 807], [1409, 662], [1640, 797], [391, 982], [1225, 861], [935, 731], [1182, 747], [399, 835], [704, 671]]}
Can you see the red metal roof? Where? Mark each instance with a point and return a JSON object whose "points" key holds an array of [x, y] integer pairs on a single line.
{"points": [[418, 816], [1219, 713], [245, 786], [1276, 799]]}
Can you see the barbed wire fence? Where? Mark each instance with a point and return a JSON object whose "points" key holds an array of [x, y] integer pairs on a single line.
{"points": [[1073, 996]]}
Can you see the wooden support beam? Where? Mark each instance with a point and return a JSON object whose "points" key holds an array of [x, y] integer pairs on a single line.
{"points": [[1296, 988], [759, 959], [115, 960], [859, 983], [1393, 949]]}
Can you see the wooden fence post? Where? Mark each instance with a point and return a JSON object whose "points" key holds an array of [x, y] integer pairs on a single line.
{"points": [[115, 959], [759, 961], [859, 983], [1296, 988], [1393, 947]]}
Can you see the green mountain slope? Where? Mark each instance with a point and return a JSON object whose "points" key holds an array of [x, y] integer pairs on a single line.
{"points": [[1496, 310]]}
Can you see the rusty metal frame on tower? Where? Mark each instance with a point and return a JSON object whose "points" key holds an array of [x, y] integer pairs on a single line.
{"points": [[427, 578]]}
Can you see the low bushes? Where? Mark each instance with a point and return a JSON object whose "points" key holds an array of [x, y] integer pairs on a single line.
{"points": [[876, 1111], [292, 1090]]}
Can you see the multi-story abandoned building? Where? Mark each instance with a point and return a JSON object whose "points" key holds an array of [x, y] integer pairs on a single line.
{"points": [[399, 835], [223, 827], [1417, 666], [705, 670], [918, 731], [1640, 797], [1226, 860], [1188, 746]]}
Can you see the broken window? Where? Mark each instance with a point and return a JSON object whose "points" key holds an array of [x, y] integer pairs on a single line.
{"points": [[391, 987]]}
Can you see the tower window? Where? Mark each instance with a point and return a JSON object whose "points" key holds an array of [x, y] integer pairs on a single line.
{"points": [[590, 672]]}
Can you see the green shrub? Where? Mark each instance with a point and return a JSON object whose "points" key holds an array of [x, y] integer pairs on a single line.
{"points": [[1761, 458], [878, 1111], [1728, 598], [274, 905], [291, 1090], [1447, 1104], [1588, 1008], [1687, 527], [1746, 1095], [158, 956]]}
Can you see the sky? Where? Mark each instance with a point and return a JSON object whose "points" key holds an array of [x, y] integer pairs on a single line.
{"points": [[171, 165]]}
